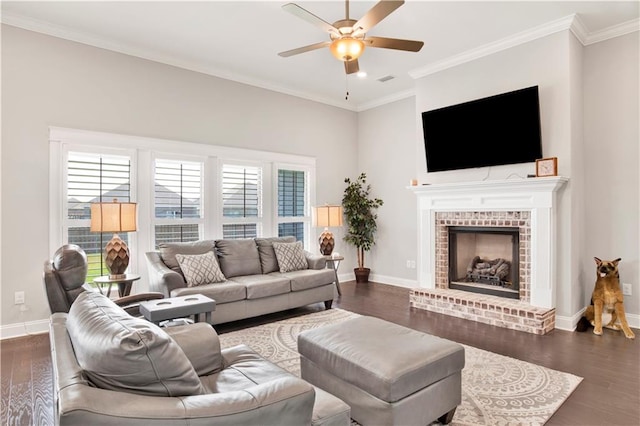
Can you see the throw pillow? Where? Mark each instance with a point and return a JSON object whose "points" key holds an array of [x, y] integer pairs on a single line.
{"points": [[200, 269], [168, 251], [123, 353], [290, 256], [268, 259]]}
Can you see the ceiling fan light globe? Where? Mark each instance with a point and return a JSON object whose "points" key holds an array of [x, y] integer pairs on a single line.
{"points": [[347, 48]]}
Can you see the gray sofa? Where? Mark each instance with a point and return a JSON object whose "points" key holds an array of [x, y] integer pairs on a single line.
{"points": [[110, 368], [254, 284]]}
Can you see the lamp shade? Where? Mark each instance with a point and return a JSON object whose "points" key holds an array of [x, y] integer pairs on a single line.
{"points": [[347, 48], [327, 216], [113, 217]]}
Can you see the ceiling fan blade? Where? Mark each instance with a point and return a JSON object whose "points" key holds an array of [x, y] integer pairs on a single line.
{"points": [[376, 14], [304, 49], [394, 43], [351, 67], [310, 17]]}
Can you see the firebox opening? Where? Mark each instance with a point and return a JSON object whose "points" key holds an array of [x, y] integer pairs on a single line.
{"points": [[484, 260]]}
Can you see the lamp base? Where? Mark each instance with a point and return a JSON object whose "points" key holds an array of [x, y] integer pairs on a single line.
{"points": [[327, 243], [116, 257]]}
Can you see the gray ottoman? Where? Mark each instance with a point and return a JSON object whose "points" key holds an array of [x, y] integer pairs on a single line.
{"points": [[388, 374]]}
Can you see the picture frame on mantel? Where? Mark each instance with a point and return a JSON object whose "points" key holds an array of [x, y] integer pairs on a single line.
{"points": [[547, 167]]}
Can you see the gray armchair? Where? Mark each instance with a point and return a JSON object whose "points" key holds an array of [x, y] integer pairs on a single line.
{"points": [[114, 369], [64, 280]]}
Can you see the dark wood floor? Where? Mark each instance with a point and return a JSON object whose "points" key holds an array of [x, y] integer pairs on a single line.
{"points": [[609, 364]]}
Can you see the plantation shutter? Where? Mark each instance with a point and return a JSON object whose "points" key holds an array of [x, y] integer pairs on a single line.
{"points": [[177, 201], [93, 178], [291, 203], [241, 201]]}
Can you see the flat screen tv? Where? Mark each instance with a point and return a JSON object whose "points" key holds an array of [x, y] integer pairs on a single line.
{"points": [[498, 130]]}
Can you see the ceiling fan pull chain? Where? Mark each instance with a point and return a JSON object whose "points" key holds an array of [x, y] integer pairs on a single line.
{"points": [[346, 84]]}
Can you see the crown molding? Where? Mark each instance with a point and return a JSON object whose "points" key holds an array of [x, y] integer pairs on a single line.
{"points": [[612, 32], [494, 47], [78, 37], [571, 22]]}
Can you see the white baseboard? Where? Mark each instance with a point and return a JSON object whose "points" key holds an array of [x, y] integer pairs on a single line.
{"points": [[382, 279], [399, 282], [20, 329], [569, 323]]}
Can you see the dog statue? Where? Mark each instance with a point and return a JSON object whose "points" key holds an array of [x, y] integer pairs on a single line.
{"points": [[607, 304]]}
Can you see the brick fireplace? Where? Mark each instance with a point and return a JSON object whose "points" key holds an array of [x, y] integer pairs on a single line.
{"points": [[526, 206]]}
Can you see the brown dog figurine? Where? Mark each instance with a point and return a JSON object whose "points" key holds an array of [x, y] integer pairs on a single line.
{"points": [[607, 304]]}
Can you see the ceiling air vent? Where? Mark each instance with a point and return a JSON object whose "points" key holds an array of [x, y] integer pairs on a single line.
{"points": [[386, 78]]}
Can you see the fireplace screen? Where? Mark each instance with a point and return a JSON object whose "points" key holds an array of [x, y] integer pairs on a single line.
{"points": [[484, 260]]}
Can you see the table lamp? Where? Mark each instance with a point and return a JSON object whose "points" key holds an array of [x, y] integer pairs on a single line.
{"points": [[114, 217], [327, 216]]}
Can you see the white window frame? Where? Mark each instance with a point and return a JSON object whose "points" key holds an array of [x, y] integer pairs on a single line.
{"points": [[258, 220], [201, 221], [64, 222], [309, 195]]}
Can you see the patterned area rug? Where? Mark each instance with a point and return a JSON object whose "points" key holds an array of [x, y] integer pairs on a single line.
{"points": [[496, 390]]}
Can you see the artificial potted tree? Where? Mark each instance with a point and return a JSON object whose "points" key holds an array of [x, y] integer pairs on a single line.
{"points": [[359, 211]]}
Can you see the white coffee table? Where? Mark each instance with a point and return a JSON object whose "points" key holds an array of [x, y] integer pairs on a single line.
{"points": [[178, 307]]}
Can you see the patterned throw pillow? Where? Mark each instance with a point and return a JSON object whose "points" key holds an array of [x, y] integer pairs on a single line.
{"points": [[290, 256], [199, 269]]}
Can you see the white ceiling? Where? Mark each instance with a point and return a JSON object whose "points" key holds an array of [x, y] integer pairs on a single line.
{"points": [[239, 40]]}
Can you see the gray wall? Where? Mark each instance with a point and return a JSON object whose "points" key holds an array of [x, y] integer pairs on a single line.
{"points": [[612, 137], [589, 107], [52, 82], [48, 81], [386, 152]]}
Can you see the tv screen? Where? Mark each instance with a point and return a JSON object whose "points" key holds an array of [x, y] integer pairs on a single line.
{"points": [[498, 130]]}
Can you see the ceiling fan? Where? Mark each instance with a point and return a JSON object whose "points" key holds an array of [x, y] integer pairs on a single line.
{"points": [[348, 36]]}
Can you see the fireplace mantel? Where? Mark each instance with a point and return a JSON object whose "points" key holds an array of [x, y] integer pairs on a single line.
{"points": [[535, 195]]}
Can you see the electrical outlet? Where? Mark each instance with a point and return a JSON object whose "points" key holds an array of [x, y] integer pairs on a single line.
{"points": [[409, 264], [413, 264], [626, 289], [18, 298]]}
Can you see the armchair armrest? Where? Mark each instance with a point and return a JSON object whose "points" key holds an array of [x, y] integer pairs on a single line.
{"points": [[200, 343], [315, 261], [283, 401], [162, 278]]}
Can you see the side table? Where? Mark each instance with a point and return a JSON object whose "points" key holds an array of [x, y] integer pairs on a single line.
{"points": [[333, 262], [124, 284], [178, 307]]}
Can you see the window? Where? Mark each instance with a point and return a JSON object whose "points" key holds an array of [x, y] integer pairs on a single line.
{"points": [[92, 178], [292, 205], [177, 201], [241, 201], [185, 192]]}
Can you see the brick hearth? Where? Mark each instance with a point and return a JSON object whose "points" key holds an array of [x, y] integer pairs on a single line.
{"points": [[493, 310]]}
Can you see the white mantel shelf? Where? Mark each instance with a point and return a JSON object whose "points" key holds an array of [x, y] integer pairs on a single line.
{"points": [[536, 195], [490, 195]]}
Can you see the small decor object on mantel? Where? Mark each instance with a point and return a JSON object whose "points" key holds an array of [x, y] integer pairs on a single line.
{"points": [[547, 167], [361, 220]]}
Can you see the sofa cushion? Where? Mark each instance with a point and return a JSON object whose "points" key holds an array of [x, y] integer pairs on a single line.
{"points": [[168, 251], [238, 257], [200, 269], [268, 259], [228, 291], [259, 286], [123, 353], [310, 278], [290, 256]]}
